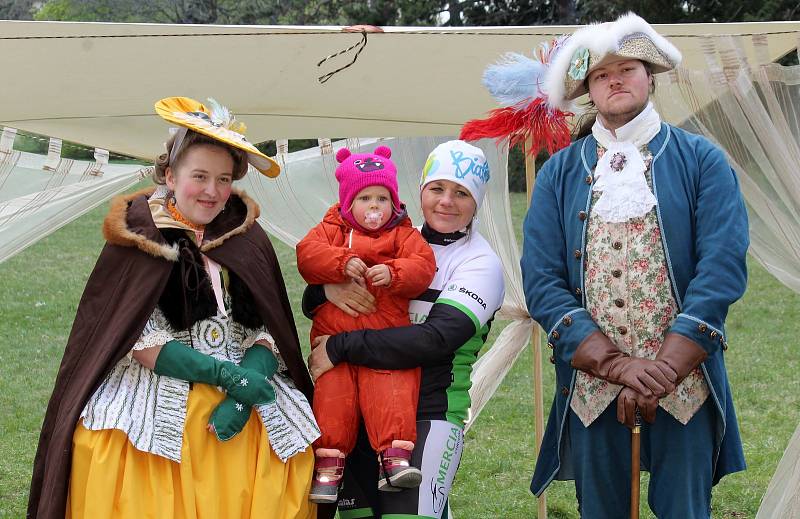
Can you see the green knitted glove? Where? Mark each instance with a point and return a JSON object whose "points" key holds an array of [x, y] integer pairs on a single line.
{"points": [[248, 386], [230, 416]]}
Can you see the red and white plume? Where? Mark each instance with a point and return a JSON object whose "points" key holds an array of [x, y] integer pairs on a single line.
{"points": [[515, 81]]}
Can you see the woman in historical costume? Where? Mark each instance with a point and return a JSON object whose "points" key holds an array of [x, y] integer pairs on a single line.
{"points": [[182, 391]]}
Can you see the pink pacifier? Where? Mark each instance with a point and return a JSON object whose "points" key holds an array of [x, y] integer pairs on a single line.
{"points": [[373, 218]]}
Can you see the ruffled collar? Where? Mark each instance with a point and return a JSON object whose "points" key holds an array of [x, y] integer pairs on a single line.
{"points": [[162, 216], [619, 175]]}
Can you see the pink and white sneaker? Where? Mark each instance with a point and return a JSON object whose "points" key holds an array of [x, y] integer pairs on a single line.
{"points": [[328, 474], [396, 471]]}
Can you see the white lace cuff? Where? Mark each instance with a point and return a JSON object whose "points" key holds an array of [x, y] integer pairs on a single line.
{"points": [[151, 340]]}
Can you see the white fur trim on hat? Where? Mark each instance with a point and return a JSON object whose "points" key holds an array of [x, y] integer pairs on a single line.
{"points": [[600, 39]]}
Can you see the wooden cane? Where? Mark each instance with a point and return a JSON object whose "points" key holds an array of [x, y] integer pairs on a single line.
{"points": [[635, 475]]}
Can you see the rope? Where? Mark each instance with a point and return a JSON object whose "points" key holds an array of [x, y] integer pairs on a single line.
{"points": [[361, 45], [320, 33]]}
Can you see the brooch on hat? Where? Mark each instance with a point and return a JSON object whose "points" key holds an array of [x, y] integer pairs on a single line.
{"points": [[579, 65]]}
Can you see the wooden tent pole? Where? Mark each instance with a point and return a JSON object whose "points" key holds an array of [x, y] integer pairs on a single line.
{"points": [[536, 343]]}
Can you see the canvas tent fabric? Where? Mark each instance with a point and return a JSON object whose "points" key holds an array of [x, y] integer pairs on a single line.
{"points": [[754, 115], [782, 499], [41, 193], [95, 83]]}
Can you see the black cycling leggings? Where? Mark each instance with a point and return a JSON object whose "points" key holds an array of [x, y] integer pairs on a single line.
{"points": [[437, 453]]}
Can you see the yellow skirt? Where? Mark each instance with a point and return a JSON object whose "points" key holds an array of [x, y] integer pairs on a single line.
{"points": [[239, 478]]}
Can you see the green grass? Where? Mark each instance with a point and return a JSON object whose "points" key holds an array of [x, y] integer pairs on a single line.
{"points": [[40, 289]]}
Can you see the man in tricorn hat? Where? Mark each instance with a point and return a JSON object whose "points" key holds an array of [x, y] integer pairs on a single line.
{"points": [[634, 250]]}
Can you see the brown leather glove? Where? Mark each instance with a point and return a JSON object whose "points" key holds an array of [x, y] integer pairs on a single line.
{"points": [[628, 400], [682, 354], [601, 357]]}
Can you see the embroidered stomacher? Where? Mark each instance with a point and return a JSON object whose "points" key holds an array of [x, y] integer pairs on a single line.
{"points": [[151, 410]]}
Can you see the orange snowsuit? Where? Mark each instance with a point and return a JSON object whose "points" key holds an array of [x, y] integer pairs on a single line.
{"points": [[387, 399]]}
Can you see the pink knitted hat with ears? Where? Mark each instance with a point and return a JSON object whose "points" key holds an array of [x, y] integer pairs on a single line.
{"points": [[360, 170]]}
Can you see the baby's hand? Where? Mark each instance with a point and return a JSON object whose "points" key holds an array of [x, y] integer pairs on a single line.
{"points": [[379, 275], [355, 268]]}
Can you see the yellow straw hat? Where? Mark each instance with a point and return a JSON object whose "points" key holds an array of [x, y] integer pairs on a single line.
{"points": [[218, 123]]}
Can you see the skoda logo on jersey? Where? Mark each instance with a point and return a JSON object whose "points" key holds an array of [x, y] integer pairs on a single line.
{"points": [[472, 295], [452, 287]]}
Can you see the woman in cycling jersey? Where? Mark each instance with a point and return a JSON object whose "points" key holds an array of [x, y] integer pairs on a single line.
{"points": [[451, 322]]}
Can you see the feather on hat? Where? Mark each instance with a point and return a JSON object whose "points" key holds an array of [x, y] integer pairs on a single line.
{"points": [[536, 94], [217, 122], [515, 81]]}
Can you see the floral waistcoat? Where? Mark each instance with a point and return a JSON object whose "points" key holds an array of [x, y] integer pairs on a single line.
{"points": [[629, 296]]}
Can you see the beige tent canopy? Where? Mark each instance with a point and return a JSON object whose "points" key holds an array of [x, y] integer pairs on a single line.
{"points": [[95, 83]]}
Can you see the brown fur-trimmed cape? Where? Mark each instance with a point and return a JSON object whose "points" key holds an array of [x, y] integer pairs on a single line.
{"points": [[121, 294]]}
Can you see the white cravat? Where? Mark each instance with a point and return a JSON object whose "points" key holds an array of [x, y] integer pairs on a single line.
{"points": [[619, 175]]}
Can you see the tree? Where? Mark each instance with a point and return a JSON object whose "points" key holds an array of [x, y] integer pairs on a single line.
{"points": [[165, 11], [691, 11], [519, 12], [270, 12], [75, 11], [16, 9], [548, 12]]}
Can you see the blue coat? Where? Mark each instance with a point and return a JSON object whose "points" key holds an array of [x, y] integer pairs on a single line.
{"points": [[704, 232]]}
